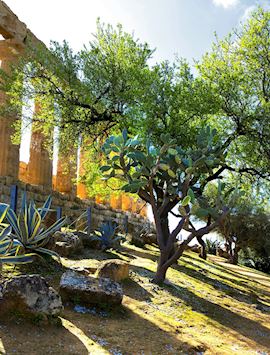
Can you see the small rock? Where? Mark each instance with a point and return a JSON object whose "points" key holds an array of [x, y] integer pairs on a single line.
{"points": [[87, 241], [29, 294], [135, 239], [116, 270], [85, 290], [84, 270], [65, 243], [150, 238]]}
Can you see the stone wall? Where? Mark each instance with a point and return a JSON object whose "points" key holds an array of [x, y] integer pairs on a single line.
{"points": [[73, 206]]}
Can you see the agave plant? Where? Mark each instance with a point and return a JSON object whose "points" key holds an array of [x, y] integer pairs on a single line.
{"points": [[10, 249], [212, 246], [107, 236], [27, 227]]}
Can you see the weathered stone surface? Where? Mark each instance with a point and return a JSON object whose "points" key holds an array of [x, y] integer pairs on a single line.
{"points": [[222, 253], [29, 294], [150, 238], [40, 193], [86, 270], [136, 239], [85, 290], [87, 241], [116, 270], [40, 164], [195, 248], [65, 243]]}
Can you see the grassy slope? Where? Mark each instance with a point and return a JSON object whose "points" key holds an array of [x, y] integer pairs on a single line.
{"points": [[205, 307]]}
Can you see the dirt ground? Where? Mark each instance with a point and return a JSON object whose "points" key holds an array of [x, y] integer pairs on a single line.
{"points": [[206, 307]]}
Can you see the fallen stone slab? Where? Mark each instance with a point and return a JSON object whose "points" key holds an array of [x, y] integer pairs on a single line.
{"points": [[85, 290], [29, 295], [114, 269]]}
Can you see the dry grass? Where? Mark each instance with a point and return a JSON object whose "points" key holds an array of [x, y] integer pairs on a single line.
{"points": [[206, 307]]}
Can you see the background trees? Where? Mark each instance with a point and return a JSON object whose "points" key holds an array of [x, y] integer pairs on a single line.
{"points": [[238, 70]]}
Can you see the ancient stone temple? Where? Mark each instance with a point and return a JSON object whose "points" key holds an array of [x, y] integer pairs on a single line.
{"points": [[39, 170]]}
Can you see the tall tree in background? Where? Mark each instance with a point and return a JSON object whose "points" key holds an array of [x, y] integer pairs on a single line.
{"points": [[238, 70]]}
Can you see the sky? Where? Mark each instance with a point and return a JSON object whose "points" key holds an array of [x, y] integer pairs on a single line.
{"points": [[183, 27]]}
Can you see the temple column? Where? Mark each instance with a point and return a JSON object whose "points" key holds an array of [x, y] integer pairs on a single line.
{"points": [[126, 203], [116, 202], [66, 172], [9, 153], [81, 187], [40, 164]]}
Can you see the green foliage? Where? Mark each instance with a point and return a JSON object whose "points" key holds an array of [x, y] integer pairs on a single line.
{"points": [[174, 102], [176, 173], [27, 226], [107, 235], [247, 223], [80, 93], [255, 259], [92, 176], [9, 248], [165, 176], [238, 71]]}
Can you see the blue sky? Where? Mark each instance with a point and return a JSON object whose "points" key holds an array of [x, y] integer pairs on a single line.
{"points": [[185, 27]]}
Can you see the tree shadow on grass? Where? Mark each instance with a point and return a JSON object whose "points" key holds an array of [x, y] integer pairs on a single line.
{"points": [[24, 337], [216, 266], [245, 282], [243, 326], [248, 296], [144, 253], [225, 317], [125, 332], [88, 253], [136, 291]]}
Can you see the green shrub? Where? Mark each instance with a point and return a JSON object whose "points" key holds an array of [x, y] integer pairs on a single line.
{"points": [[254, 259]]}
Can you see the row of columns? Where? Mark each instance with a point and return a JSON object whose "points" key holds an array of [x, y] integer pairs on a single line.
{"points": [[126, 203], [39, 170]]}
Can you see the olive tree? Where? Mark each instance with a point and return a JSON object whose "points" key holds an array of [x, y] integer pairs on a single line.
{"points": [[238, 70], [167, 176]]}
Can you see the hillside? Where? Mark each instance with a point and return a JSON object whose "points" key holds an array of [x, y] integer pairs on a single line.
{"points": [[205, 308]]}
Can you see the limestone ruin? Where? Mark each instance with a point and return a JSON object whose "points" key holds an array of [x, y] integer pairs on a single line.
{"points": [[39, 170]]}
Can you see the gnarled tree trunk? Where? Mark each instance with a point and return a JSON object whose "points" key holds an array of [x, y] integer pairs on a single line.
{"points": [[203, 253]]}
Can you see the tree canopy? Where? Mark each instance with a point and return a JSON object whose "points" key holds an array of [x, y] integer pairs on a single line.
{"points": [[238, 70]]}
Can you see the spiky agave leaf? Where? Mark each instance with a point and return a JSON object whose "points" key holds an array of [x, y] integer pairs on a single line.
{"points": [[45, 208], [27, 226], [3, 211], [9, 249]]}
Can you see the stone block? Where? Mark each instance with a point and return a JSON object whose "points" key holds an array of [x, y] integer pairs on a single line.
{"points": [[87, 290]]}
